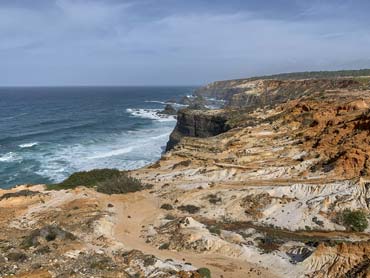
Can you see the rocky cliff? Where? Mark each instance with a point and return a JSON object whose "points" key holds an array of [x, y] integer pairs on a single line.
{"points": [[261, 92], [274, 188], [250, 95], [278, 187], [198, 123]]}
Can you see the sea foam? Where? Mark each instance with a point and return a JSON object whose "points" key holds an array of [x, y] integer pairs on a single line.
{"points": [[151, 114], [28, 145], [10, 157], [124, 151]]}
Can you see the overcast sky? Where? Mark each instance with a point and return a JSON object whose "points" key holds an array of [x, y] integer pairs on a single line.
{"points": [[173, 42]]}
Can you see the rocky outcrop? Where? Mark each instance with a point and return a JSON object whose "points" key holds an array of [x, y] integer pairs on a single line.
{"points": [[197, 123], [220, 89], [168, 110], [195, 103], [70, 234], [342, 260]]}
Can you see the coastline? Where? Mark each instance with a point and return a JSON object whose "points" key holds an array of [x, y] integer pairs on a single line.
{"points": [[268, 196], [51, 138]]}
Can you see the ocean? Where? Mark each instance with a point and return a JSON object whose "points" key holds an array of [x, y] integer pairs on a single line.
{"points": [[46, 134]]}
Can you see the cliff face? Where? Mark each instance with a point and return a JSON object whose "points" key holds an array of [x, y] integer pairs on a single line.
{"points": [[249, 94], [342, 260], [197, 123], [278, 188], [267, 197], [260, 93], [220, 90]]}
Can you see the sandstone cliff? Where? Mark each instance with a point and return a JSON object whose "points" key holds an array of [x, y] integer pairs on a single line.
{"points": [[255, 191], [260, 93], [276, 183]]}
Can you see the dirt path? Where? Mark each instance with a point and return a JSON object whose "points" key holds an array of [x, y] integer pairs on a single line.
{"points": [[137, 210]]}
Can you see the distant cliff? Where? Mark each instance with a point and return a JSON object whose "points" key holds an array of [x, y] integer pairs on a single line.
{"points": [[262, 92]]}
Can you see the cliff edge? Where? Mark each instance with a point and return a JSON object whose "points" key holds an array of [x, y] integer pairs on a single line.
{"points": [[274, 185], [198, 123]]}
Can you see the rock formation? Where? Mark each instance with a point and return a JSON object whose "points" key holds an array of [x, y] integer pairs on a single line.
{"points": [[274, 185], [168, 110], [260, 93], [197, 123]]}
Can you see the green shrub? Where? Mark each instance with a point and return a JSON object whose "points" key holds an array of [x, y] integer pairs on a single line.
{"points": [[101, 263], [17, 257], [214, 230], [49, 233], [354, 220], [214, 199], [21, 193], [204, 272], [167, 207], [189, 208], [121, 185], [170, 217], [269, 244], [85, 178]]}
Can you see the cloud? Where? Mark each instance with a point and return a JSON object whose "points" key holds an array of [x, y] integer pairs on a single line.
{"points": [[160, 42], [91, 13]]}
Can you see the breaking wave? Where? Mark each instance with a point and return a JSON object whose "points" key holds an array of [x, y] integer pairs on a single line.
{"points": [[151, 114], [28, 145]]}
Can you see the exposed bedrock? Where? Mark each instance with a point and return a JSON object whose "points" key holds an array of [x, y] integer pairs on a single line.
{"points": [[198, 123], [259, 93]]}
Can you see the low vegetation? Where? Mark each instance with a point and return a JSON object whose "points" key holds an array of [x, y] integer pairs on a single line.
{"points": [[189, 208], [86, 178], [21, 193], [121, 184], [317, 74], [354, 220], [48, 233], [108, 181], [214, 230], [166, 207], [170, 217], [214, 199], [269, 244], [17, 257], [204, 272]]}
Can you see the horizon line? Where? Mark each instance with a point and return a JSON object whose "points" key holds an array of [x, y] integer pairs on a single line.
{"points": [[87, 86]]}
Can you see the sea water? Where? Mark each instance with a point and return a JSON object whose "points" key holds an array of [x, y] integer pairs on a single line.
{"points": [[48, 133]]}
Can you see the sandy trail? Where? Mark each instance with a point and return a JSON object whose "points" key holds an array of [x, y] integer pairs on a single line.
{"points": [[133, 211]]}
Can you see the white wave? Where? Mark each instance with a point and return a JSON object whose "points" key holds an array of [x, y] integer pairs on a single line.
{"points": [[10, 157], [175, 104], [112, 153], [215, 99], [127, 150], [151, 114], [130, 149], [156, 101], [28, 145]]}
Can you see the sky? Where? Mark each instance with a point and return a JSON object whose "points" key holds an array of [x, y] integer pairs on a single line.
{"points": [[176, 42]]}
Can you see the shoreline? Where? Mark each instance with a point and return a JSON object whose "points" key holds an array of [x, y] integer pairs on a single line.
{"points": [[222, 200]]}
